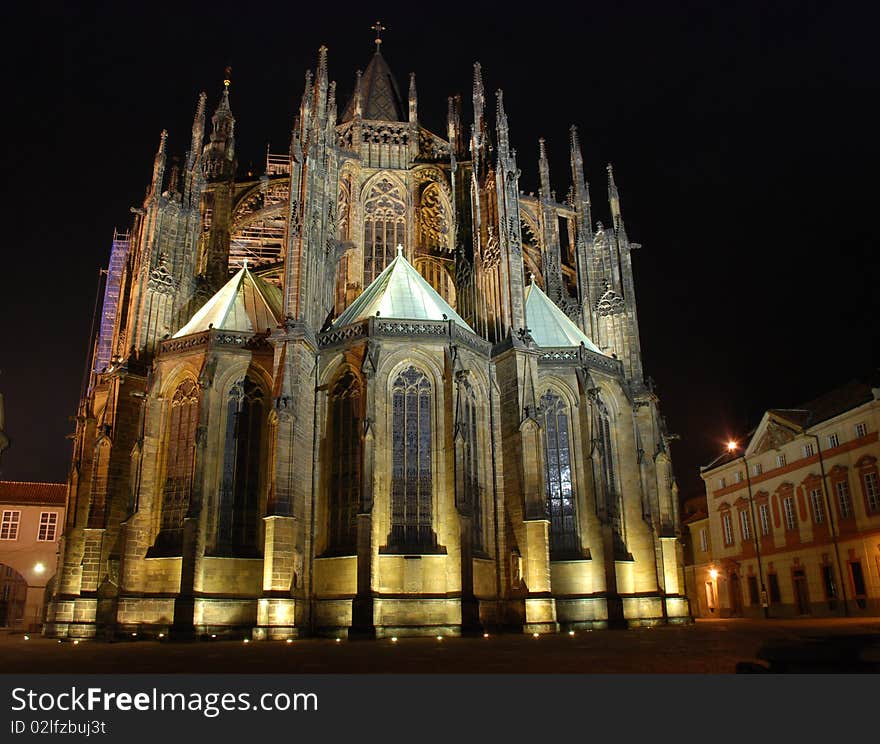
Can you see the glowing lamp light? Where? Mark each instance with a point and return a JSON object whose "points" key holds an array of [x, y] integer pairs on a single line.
{"points": [[485, 635], [39, 568], [161, 635], [394, 639], [535, 635], [439, 638], [571, 632], [713, 573], [213, 635], [289, 640], [731, 446], [27, 638], [339, 640], [247, 640], [76, 643]]}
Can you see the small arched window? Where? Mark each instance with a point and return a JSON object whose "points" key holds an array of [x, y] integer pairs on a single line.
{"points": [[558, 471], [242, 459], [411, 474], [180, 454], [344, 482]]}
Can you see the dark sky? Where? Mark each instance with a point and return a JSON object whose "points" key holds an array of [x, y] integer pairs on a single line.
{"points": [[744, 138]]}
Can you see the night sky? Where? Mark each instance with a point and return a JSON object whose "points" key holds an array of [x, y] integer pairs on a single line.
{"points": [[744, 140]]}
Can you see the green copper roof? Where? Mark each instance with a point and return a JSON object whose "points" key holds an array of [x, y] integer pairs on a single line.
{"points": [[549, 326], [246, 304], [399, 292]]}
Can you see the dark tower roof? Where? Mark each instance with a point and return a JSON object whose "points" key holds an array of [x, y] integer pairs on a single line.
{"points": [[380, 96]]}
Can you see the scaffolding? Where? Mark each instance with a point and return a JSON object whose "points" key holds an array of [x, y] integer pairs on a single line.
{"points": [[118, 255], [259, 220]]}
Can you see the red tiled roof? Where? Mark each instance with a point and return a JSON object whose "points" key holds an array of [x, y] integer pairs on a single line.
{"points": [[26, 492]]}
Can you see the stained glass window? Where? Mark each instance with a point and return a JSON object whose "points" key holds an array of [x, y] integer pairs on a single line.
{"points": [[411, 460], [384, 227], [242, 457], [180, 453], [560, 494], [344, 492]]}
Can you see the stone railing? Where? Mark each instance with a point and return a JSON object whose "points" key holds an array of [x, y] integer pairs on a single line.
{"points": [[214, 337], [446, 330]]}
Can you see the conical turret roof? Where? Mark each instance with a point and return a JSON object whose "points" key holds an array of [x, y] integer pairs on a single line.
{"points": [[399, 292], [548, 325], [380, 96], [245, 304]]}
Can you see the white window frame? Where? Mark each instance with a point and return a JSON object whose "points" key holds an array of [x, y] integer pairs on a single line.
{"points": [[872, 490], [833, 440], [704, 541], [764, 516], [739, 476], [727, 526], [843, 498], [808, 449], [49, 521], [780, 460], [757, 469], [722, 483], [744, 525], [790, 516], [861, 429], [10, 523], [817, 505]]}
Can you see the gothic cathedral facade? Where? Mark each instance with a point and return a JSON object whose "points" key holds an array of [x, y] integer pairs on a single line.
{"points": [[377, 390]]}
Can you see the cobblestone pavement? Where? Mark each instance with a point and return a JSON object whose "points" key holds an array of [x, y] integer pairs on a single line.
{"points": [[708, 646]]}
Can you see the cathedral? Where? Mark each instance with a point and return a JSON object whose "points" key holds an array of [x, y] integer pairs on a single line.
{"points": [[377, 390]]}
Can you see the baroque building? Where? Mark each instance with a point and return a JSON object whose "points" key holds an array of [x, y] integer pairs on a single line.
{"points": [[377, 390]]}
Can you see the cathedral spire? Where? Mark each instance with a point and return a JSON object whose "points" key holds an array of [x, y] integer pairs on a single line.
{"points": [[479, 98], [581, 188], [413, 99], [614, 200], [219, 153], [159, 166], [544, 170], [501, 126]]}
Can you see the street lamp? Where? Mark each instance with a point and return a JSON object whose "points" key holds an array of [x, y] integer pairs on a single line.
{"points": [[732, 446]]}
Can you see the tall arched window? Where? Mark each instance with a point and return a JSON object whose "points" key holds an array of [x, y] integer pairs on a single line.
{"points": [[180, 449], [384, 226], [344, 483], [435, 221], [242, 459], [560, 495], [411, 461], [98, 493], [473, 492]]}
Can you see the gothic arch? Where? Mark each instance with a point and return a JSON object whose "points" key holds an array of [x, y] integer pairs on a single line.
{"points": [[385, 209], [436, 231]]}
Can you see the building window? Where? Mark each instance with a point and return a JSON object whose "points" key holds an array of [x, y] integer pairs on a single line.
{"points": [[180, 454], [727, 526], [757, 469], [411, 472], [754, 595], [744, 526], [384, 226], [722, 483], [861, 430], [780, 460], [739, 476], [98, 493], [808, 449], [764, 515], [842, 488], [818, 508], [830, 586], [9, 525], [773, 586], [833, 440], [790, 518], [872, 490], [48, 527], [471, 462], [858, 583], [560, 495], [704, 541], [344, 482]]}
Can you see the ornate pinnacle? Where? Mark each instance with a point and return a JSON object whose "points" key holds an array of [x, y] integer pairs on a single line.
{"points": [[378, 28]]}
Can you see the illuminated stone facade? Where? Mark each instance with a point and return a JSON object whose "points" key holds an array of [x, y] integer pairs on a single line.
{"points": [[345, 437], [795, 518]]}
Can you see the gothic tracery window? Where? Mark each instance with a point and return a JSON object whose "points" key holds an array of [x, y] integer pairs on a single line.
{"points": [[435, 221], [180, 454], [558, 469], [473, 491], [242, 459], [384, 226], [344, 491], [411, 460]]}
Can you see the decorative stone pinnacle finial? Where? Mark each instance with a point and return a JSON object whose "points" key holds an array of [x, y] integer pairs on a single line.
{"points": [[531, 277], [400, 249], [378, 28], [244, 263], [227, 77]]}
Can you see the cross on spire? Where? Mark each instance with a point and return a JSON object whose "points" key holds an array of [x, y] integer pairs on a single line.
{"points": [[227, 77], [378, 28]]}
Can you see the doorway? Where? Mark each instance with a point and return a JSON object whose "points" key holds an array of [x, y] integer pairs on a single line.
{"points": [[801, 592], [736, 601]]}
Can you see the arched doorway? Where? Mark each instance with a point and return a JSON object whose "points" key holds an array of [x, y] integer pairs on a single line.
{"points": [[13, 593]]}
